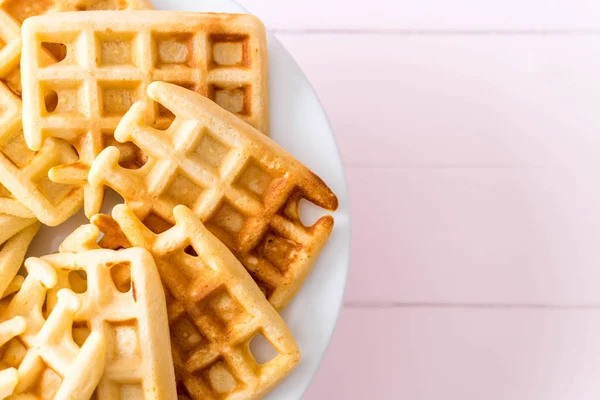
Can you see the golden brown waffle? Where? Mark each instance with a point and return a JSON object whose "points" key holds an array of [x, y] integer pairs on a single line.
{"points": [[111, 58], [96, 5], [38, 357], [24, 173], [241, 184], [215, 309], [12, 255], [122, 298]]}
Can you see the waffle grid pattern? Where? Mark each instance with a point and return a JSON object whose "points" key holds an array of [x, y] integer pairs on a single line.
{"points": [[109, 62], [121, 299], [14, 12], [244, 187], [215, 310]]}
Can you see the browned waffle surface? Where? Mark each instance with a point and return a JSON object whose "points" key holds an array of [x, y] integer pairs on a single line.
{"points": [[215, 309], [241, 184], [112, 57], [96, 5]]}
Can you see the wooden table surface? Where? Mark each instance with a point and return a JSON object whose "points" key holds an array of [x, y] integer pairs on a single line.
{"points": [[470, 132]]}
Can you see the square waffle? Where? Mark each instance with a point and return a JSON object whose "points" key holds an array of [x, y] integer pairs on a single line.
{"points": [[112, 57], [14, 12], [122, 299], [215, 309], [242, 185], [38, 357], [25, 190]]}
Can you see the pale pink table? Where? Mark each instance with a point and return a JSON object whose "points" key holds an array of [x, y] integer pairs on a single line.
{"points": [[470, 130]]}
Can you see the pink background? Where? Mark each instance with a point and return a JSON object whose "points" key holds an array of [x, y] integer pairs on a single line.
{"points": [[470, 131]]}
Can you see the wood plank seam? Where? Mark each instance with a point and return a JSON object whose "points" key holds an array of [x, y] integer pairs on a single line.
{"points": [[487, 306], [436, 32]]}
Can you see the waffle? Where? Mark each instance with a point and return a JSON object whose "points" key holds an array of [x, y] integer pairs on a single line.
{"points": [[241, 184], [215, 309], [14, 217], [110, 60], [121, 298], [13, 287], [14, 12], [95, 5], [12, 255], [38, 357], [25, 190]]}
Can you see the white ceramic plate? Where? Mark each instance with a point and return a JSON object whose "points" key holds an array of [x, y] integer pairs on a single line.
{"points": [[298, 123]]}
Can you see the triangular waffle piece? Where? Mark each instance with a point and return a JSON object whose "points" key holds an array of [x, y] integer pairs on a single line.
{"points": [[111, 58], [24, 173], [14, 12], [215, 309], [122, 298], [12, 254], [241, 184], [40, 353]]}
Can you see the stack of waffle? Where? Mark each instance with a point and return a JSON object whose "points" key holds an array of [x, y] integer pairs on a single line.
{"points": [[161, 299]]}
